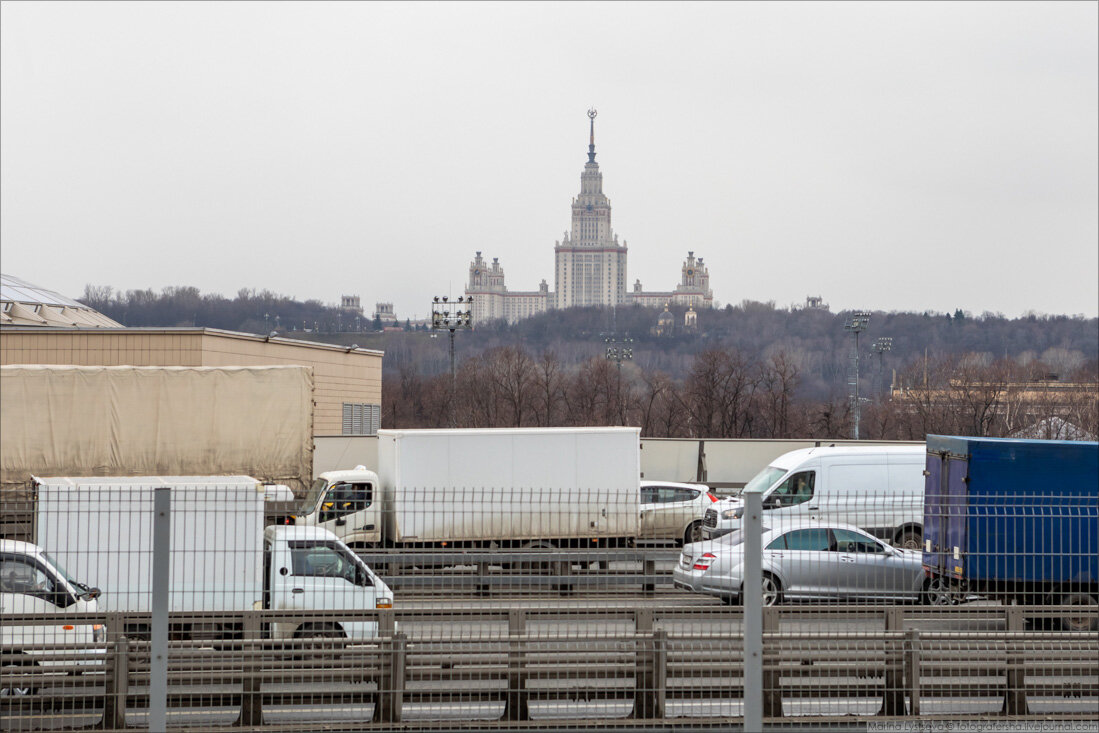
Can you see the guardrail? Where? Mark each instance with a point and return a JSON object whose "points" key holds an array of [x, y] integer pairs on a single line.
{"points": [[483, 571], [645, 669]]}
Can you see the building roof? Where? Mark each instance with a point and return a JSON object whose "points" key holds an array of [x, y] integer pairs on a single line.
{"points": [[25, 304], [202, 331]]}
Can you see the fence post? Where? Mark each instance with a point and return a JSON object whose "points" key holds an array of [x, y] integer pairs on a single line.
{"points": [[1015, 702], [912, 670], [893, 693], [386, 622], [516, 705], [391, 680], [118, 686], [772, 678], [650, 675], [162, 566], [649, 567], [753, 616], [251, 700], [642, 619]]}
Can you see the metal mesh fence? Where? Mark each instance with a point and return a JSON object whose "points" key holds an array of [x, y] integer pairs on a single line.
{"points": [[909, 601]]}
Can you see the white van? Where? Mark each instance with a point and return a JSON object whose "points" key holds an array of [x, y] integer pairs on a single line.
{"points": [[876, 488]]}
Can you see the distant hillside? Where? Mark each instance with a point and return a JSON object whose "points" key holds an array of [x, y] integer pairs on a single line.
{"points": [[813, 341]]}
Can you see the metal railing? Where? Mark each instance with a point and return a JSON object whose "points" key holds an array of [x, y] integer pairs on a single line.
{"points": [[659, 671]]}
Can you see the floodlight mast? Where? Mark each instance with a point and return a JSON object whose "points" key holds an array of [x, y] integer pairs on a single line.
{"points": [[856, 324], [446, 316], [882, 345], [617, 354]]}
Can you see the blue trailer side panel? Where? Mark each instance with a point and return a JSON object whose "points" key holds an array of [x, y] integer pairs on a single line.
{"points": [[1021, 511], [934, 515]]}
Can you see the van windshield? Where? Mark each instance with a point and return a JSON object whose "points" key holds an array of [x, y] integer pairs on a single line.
{"points": [[309, 503], [765, 478]]}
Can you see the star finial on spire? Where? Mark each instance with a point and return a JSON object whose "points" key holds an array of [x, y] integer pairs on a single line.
{"points": [[591, 140]]}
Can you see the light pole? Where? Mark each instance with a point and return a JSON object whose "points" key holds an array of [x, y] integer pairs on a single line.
{"points": [[617, 354], [856, 324], [882, 345], [447, 316]]}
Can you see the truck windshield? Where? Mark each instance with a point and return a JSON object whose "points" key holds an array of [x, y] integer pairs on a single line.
{"points": [[309, 503], [64, 574], [764, 479]]}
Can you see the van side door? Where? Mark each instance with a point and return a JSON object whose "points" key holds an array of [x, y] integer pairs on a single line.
{"points": [[793, 498]]}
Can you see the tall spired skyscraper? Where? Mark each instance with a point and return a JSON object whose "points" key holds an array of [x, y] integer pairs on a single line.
{"points": [[590, 264]]}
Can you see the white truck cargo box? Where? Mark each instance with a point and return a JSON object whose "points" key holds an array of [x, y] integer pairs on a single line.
{"points": [[510, 484], [101, 530]]}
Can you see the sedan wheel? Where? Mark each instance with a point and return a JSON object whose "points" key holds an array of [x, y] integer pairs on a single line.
{"points": [[693, 533], [771, 591], [1083, 622]]}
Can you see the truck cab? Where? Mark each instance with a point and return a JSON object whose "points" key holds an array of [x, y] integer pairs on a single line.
{"points": [[346, 503], [308, 569], [32, 582]]}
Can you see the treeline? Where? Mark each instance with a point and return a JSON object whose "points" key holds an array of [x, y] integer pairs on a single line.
{"points": [[811, 341], [249, 312], [728, 394]]}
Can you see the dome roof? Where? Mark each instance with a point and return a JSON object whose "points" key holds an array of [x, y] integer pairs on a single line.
{"points": [[25, 304]]}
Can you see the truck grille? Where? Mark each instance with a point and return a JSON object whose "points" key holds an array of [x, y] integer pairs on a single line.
{"points": [[711, 518]]}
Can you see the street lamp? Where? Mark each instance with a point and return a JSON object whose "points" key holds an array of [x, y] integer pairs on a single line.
{"points": [[448, 316], [617, 354], [856, 324]]}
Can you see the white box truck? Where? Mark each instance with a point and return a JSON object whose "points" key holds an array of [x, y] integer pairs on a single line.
{"points": [[222, 557], [510, 487]]}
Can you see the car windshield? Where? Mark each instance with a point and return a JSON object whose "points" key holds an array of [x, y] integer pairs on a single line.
{"points": [[309, 503], [765, 478]]}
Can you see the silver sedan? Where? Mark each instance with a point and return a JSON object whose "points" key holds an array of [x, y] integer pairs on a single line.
{"points": [[808, 561]]}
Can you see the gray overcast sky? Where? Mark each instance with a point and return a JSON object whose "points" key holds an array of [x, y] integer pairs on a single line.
{"points": [[885, 155]]}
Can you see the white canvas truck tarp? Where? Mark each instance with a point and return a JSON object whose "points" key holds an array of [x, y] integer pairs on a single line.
{"points": [[101, 531], [510, 484], [150, 421]]}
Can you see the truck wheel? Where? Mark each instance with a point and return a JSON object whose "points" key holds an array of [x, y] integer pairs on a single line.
{"points": [[1084, 621], [910, 539], [542, 568], [16, 666], [937, 592], [693, 533]]}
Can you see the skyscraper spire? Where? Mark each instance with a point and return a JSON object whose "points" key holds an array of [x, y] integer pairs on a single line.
{"points": [[591, 141]]}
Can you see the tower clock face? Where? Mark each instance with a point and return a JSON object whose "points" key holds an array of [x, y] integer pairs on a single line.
{"points": [[690, 272]]}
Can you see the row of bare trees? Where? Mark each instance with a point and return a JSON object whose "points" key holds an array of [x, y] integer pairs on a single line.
{"points": [[727, 394]]}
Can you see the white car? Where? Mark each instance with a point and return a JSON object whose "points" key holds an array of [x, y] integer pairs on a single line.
{"points": [[674, 511], [805, 560]]}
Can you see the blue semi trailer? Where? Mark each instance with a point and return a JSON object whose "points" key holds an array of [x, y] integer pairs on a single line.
{"points": [[1016, 520]]}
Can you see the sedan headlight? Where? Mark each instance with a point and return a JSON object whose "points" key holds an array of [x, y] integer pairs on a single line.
{"points": [[735, 513]]}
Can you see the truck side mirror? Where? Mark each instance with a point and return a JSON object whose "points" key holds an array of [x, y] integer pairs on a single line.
{"points": [[362, 577]]}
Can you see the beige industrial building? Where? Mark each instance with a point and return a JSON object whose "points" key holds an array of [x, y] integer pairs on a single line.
{"points": [[347, 381]]}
